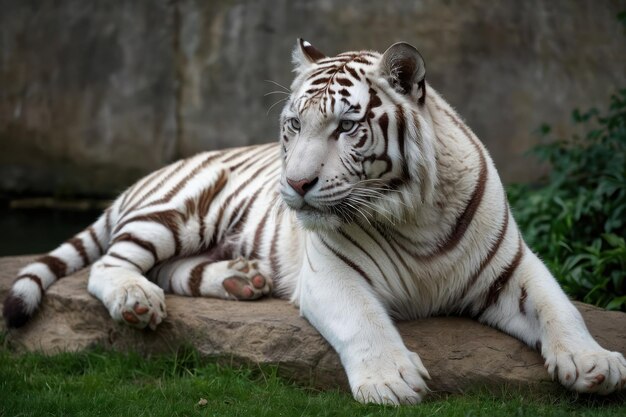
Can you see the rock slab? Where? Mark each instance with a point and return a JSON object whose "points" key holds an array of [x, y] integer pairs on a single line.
{"points": [[459, 353]]}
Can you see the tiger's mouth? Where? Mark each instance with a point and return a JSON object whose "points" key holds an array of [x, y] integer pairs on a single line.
{"points": [[309, 208], [312, 218], [317, 218]]}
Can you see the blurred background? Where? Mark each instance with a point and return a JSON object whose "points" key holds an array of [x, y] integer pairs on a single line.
{"points": [[95, 94]]}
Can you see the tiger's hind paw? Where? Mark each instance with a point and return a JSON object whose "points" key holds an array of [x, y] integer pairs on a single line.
{"points": [[245, 281]]}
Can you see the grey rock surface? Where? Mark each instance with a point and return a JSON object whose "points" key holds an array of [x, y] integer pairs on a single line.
{"points": [[87, 94], [95, 94], [459, 353]]}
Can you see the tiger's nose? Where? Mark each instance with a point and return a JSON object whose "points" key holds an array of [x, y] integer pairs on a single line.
{"points": [[303, 185]]}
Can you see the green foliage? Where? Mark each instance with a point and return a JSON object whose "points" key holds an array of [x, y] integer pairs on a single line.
{"points": [[576, 221]]}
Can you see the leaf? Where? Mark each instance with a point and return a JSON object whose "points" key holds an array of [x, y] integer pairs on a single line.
{"points": [[614, 240], [616, 303]]}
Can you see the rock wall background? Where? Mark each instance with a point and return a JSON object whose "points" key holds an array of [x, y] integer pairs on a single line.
{"points": [[93, 94]]}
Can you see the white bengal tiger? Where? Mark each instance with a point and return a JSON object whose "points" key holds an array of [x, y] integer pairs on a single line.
{"points": [[378, 203]]}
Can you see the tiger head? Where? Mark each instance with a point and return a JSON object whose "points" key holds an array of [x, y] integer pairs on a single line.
{"points": [[355, 136]]}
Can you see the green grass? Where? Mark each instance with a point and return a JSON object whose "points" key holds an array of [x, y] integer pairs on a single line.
{"points": [[105, 383]]}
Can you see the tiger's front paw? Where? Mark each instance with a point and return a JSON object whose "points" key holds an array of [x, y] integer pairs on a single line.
{"points": [[135, 301], [394, 378], [588, 371]]}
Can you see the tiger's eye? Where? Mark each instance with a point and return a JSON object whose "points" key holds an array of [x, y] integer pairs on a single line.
{"points": [[346, 125], [295, 124]]}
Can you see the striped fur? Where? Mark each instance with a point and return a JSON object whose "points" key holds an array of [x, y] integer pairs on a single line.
{"points": [[378, 202]]}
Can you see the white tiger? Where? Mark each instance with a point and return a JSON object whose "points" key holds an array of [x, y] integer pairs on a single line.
{"points": [[378, 203]]}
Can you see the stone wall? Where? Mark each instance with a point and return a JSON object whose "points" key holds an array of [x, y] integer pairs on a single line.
{"points": [[95, 93]]}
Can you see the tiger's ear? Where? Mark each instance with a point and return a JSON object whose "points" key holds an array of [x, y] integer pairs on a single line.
{"points": [[404, 68], [305, 54]]}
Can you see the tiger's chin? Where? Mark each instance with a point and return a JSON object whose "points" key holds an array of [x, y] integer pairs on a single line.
{"points": [[317, 220]]}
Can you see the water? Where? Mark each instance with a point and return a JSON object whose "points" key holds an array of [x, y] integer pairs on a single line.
{"points": [[39, 230]]}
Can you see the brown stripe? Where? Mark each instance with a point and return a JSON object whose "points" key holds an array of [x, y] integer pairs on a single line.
{"points": [[237, 153], [401, 139], [33, 278], [522, 300], [205, 199], [352, 72], [56, 265], [148, 246], [227, 200], [253, 159], [125, 259], [362, 140], [254, 252], [195, 278], [241, 222], [500, 283], [326, 197], [207, 196], [374, 100], [344, 92], [395, 251], [347, 261], [125, 196], [77, 243], [362, 60], [235, 213], [465, 219], [383, 121], [461, 126], [273, 247], [131, 193], [344, 82], [467, 216], [265, 159], [320, 71], [216, 231], [173, 170], [168, 218], [181, 184], [190, 209], [322, 80], [94, 237], [359, 247], [492, 252]]}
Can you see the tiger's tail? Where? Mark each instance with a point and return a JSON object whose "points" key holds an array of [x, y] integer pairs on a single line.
{"points": [[34, 279]]}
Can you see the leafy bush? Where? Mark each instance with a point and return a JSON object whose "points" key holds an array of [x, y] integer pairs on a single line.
{"points": [[576, 221]]}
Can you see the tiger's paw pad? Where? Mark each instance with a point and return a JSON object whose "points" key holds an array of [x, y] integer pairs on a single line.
{"points": [[246, 283], [139, 304], [392, 380], [601, 372]]}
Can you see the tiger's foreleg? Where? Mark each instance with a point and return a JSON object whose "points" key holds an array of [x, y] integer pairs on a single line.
{"points": [[379, 367], [206, 276], [118, 279], [534, 308]]}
